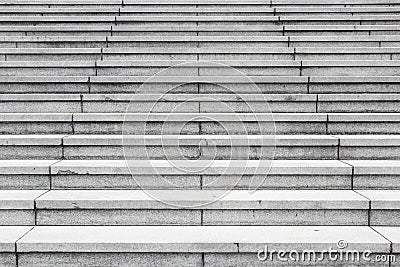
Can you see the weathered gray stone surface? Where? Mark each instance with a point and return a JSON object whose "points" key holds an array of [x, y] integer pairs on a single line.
{"points": [[322, 78]]}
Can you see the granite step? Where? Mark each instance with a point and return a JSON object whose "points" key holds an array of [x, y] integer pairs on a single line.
{"points": [[188, 245], [200, 30], [173, 103], [282, 147], [193, 246], [201, 207], [203, 84], [202, 68], [267, 84], [203, 123], [182, 207], [54, 31], [198, 41], [113, 54], [114, 174], [17, 207], [202, 103]]}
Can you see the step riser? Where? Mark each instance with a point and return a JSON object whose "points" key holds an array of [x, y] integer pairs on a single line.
{"points": [[187, 45], [159, 259], [205, 217], [192, 12], [34, 181], [193, 57], [196, 128], [138, 32], [290, 88], [253, 71], [195, 217], [17, 217], [116, 152], [341, 182], [191, 23]]}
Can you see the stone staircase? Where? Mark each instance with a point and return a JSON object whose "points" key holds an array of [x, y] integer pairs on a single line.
{"points": [[196, 133]]}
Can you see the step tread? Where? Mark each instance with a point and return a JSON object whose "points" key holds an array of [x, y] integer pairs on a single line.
{"points": [[196, 238]]}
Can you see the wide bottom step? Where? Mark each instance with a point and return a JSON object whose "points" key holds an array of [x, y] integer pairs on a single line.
{"points": [[196, 245]]}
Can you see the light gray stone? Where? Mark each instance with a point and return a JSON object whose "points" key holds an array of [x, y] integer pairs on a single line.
{"points": [[24, 181], [19, 199], [273, 181], [236, 199], [291, 167], [7, 259], [118, 217], [392, 234], [110, 259], [251, 260], [285, 217], [10, 235], [17, 217], [118, 181], [196, 238]]}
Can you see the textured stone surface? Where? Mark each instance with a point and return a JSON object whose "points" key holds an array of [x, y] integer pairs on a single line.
{"points": [[10, 235], [196, 239], [110, 259]]}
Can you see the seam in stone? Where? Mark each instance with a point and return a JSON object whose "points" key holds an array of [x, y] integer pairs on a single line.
{"points": [[95, 67], [301, 68], [294, 53], [50, 176], [35, 207], [62, 146], [89, 84], [81, 102], [327, 124], [391, 243], [369, 206], [352, 172], [338, 148], [73, 124], [16, 241]]}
